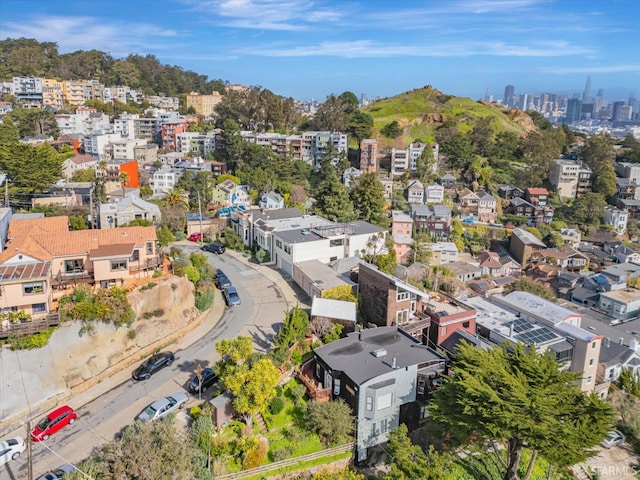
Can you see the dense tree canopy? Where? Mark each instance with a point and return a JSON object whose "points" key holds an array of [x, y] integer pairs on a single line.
{"points": [[514, 397], [31, 169], [368, 200]]}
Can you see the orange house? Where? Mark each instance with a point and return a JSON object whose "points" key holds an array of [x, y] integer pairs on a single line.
{"points": [[131, 169]]}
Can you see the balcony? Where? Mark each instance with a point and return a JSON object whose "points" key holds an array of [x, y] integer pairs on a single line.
{"points": [[315, 391], [148, 264], [64, 279]]}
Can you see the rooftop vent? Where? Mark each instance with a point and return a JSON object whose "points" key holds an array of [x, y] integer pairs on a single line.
{"points": [[380, 352], [305, 231]]}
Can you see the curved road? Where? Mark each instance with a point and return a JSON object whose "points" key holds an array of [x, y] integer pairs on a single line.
{"points": [[262, 309]]}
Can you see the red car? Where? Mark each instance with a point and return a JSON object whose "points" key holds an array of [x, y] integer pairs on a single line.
{"points": [[197, 236], [54, 421]]}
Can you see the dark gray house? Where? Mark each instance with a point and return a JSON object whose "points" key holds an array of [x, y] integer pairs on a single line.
{"points": [[385, 375]]}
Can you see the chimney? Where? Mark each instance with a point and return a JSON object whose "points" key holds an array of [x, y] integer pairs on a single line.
{"points": [[634, 344], [606, 342], [393, 365], [621, 340]]}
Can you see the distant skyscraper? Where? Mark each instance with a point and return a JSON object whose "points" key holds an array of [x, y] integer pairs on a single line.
{"points": [[586, 96], [574, 110], [487, 96], [509, 91], [616, 113]]}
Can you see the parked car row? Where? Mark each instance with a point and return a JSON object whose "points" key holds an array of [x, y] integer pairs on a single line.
{"points": [[229, 292]]}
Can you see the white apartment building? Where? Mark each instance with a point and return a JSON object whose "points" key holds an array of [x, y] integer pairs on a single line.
{"points": [[123, 149], [98, 145], [83, 123], [28, 89], [324, 243], [403, 160], [616, 218], [125, 125], [164, 180], [433, 193], [170, 103], [196, 143]]}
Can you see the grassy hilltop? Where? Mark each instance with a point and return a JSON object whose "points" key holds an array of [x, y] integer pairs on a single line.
{"points": [[420, 111]]}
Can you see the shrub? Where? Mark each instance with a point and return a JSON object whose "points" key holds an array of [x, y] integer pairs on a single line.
{"points": [[27, 342], [282, 453], [147, 315], [257, 454], [148, 286], [276, 406], [158, 312], [204, 298], [156, 273], [297, 391], [263, 256], [131, 334], [192, 274], [174, 287], [296, 357], [195, 411]]}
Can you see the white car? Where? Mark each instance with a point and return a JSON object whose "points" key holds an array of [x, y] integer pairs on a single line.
{"points": [[614, 438], [58, 473], [163, 407], [11, 449]]}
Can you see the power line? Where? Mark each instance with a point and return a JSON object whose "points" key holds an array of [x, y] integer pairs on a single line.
{"points": [[65, 460]]}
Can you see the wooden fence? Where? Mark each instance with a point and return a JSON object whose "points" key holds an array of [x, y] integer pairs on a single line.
{"points": [[271, 467], [29, 327]]}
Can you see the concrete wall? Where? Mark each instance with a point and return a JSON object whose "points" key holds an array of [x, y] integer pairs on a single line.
{"points": [[70, 358]]}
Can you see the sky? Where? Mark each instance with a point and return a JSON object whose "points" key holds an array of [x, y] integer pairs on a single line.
{"points": [[312, 48]]}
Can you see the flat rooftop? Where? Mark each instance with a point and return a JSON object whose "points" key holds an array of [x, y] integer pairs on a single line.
{"points": [[626, 295], [534, 305], [370, 353], [323, 276], [443, 306]]}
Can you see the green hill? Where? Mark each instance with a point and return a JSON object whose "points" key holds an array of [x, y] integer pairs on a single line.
{"points": [[420, 111]]}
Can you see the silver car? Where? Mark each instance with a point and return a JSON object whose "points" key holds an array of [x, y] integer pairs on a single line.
{"points": [[163, 407], [614, 438]]}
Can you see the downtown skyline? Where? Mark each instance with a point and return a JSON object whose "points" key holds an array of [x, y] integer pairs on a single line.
{"points": [[310, 49]]}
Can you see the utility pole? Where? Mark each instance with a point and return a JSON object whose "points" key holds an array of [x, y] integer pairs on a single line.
{"points": [[29, 452], [200, 218]]}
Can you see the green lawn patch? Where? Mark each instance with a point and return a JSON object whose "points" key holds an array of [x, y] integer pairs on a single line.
{"points": [[303, 465]]}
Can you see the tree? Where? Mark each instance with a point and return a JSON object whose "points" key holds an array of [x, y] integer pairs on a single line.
{"points": [[84, 175], [360, 126], [147, 451], [177, 198], [421, 251], [425, 163], [380, 252], [165, 236], [294, 328], [409, 461], [524, 399], [333, 115], [458, 150], [524, 285], [8, 131], [391, 130], [146, 191], [332, 200], [332, 421], [253, 386], [606, 181], [367, 196], [597, 153], [589, 208], [34, 121], [31, 169], [482, 136], [554, 239], [123, 178]]}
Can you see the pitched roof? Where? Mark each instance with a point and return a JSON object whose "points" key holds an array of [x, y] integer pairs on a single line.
{"points": [[24, 271], [107, 251], [45, 238], [537, 191]]}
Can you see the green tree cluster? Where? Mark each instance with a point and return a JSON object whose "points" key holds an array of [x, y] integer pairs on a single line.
{"points": [[517, 398], [294, 328], [332, 421]]}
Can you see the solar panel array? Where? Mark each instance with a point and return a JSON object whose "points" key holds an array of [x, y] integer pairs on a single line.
{"points": [[539, 335], [520, 325]]}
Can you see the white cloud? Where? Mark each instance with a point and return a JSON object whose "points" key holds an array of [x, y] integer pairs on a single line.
{"points": [[599, 69], [87, 33], [291, 15], [368, 49]]}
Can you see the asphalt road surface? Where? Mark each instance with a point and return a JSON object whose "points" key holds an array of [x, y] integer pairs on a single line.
{"points": [[99, 421]]}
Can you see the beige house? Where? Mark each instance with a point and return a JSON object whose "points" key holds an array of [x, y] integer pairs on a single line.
{"points": [[101, 257], [26, 287]]}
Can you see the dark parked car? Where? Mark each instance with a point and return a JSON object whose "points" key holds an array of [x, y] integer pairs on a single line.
{"points": [[231, 296], [214, 247], [209, 378], [152, 365], [222, 282], [53, 422]]}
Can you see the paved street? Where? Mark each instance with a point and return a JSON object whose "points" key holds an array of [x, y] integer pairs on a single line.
{"points": [[106, 409]]}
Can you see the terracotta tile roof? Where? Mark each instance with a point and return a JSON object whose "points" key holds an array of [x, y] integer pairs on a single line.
{"points": [[80, 159], [24, 271], [537, 191], [45, 238]]}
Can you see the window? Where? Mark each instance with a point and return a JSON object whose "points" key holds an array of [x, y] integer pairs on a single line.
{"points": [[336, 242], [402, 295], [369, 404], [591, 362], [32, 288], [465, 324], [39, 308], [593, 345], [384, 424], [150, 247], [589, 378], [73, 266], [384, 401], [118, 265], [402, 317], [135, 256], [278, 244]]}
